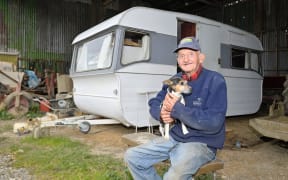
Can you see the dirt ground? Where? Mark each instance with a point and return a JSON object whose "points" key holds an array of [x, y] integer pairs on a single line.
{"points": [[256, 159]]}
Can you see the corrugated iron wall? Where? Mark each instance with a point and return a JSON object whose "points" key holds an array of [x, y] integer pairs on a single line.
{"points": [[274, 38], [267, 19], [240, 14], [41, 31]]}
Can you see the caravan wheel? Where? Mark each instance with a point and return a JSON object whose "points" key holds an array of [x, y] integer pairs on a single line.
{"points": [[84, 127]]}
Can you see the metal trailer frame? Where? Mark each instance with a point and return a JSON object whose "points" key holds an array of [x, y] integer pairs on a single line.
{"points": [[84, 123]]}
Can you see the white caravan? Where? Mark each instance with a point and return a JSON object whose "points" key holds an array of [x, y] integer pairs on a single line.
{"points": [[119, 64]]}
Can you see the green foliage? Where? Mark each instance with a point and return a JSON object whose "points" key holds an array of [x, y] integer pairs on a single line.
{"points": [[4, 115], [34, 111], [205, 177], [61, 158], [163, 167]]}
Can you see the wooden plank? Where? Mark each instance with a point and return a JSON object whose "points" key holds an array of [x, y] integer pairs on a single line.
{"points": [[274, 127], [211, 166]]}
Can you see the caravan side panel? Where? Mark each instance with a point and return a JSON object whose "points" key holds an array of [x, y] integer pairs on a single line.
{"points": [[244, 90], [244, 86], [98, 95], [139, 83]]}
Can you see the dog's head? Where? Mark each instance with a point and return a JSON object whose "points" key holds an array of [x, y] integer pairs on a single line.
{"points": [[178, 85], [33, 123]]}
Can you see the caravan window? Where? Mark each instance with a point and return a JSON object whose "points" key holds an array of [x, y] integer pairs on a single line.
{"points": [[245, 59], [136, 47], [240, 58], [95, 54]]}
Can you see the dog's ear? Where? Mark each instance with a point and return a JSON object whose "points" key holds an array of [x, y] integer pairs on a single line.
{"points": [[168, 82], [175, 80]]}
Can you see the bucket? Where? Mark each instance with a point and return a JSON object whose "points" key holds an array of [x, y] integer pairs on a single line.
{"points": [[44, 106]]}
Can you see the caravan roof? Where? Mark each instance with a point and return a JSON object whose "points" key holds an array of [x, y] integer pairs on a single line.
{"points": [[160, 21]]}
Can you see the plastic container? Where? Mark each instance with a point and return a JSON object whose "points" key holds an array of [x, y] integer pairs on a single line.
{"points": [[44, 106]]}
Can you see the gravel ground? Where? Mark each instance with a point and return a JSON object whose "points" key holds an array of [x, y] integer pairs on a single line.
{"points": [[7, 172]]}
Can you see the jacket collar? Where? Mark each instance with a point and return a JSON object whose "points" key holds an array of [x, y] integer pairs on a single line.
{"points": [[194, 76]]}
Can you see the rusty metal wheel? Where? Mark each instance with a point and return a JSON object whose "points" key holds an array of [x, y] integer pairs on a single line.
{"points": [[25, 101]]}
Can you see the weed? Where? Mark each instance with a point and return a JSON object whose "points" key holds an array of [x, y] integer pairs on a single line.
{"points": [[34, 111], [4, 115], [208, 176], [164, 166]]}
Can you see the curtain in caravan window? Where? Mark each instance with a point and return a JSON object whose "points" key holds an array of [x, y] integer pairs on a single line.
{"points": [[136, 47], [81, 59], [254, 62], [105, 54], [95, 54]]}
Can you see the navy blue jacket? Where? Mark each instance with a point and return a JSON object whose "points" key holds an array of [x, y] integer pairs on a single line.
{"points": [[203, 113]]}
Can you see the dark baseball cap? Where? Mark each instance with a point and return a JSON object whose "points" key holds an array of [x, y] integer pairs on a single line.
{"points": [[188, 43]]}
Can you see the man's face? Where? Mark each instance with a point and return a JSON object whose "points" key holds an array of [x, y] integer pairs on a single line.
{"points": [[189, 60]]}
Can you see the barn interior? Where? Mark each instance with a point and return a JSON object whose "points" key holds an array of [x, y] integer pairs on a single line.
{"points": [[36, 36]]}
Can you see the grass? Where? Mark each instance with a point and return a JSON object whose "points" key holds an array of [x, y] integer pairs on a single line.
{"points": [[61, 158], [58, 157]]}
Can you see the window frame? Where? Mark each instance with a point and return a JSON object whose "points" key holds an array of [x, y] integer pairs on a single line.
{"points": [[90, 40], [226, 60]]}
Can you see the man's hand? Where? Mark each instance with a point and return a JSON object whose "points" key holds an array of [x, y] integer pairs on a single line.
{"points": [[166, 116], [167, 107], [169, 101]]}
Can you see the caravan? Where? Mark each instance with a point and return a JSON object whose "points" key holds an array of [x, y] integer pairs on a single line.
{"points": [[119, 64]]}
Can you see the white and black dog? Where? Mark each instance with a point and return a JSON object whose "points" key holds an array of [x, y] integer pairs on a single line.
{"points": [[176, 86]]}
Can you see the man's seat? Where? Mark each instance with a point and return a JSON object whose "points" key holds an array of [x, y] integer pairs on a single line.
{"points": [[210, 167]]}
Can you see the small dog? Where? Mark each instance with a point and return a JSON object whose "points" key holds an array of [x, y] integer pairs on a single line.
{"points": [[177, 86], [26, 127]]}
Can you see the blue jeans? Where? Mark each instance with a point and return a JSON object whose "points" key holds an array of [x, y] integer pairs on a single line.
{"points": [[185, 158]]}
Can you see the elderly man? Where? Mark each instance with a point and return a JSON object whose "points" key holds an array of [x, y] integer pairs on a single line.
{"points": [[203, 114]]}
